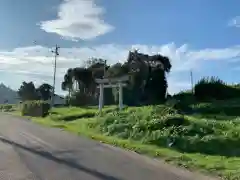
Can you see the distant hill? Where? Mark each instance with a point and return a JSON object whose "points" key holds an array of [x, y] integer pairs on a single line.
{"points": [[7, 95]]}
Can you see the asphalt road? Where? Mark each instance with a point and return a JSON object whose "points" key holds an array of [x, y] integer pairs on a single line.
{"points": [[30, 151]]}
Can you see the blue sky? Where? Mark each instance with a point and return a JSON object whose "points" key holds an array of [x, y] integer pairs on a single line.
{"points": [[200, 35]]}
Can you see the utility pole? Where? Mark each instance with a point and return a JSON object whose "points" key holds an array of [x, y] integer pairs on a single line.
{"points": [[56, 54], [191, 76]]}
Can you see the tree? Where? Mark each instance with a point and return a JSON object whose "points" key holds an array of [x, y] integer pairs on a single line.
{"points": [[111, 94], [67, 84], [45, 91], [85, 77], [156, 88], [117, 70], [148, 73], [27, 91], [97, 66], [147, 84]]}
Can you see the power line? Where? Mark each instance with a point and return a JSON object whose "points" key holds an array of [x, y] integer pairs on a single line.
{"points": [[56, 54]]}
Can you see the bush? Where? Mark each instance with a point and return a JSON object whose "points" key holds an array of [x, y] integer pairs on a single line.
{"points": [[164, 127], [217, 109], [149, 124], [186, 97], [35, 108], [82, 99], [7, 107], [213, 88], [181, 106]]}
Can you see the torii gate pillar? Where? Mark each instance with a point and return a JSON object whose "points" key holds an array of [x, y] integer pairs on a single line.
{"points": [[117, 82]]}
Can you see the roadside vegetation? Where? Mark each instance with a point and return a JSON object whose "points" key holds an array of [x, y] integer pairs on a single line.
{"points": [[8, 107], [205, 141], [197, 129]]}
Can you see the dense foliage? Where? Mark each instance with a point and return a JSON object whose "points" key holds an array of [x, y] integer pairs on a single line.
{"points": [[81, 99], [7, 107], [44, 91], [162, 126], [28, 91], [214, 89], [35, 108], [147, 84]]}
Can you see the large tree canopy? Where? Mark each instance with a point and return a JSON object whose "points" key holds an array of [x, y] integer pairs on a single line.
{"points": [[148, 80], [67, 84], [147, 84], [27, 91], [45, 91]]}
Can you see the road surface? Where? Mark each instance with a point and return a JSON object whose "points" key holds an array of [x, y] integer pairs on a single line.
{"points": [[30, 151]]}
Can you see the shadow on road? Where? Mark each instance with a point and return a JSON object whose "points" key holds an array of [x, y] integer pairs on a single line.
{"points": [[49, 156]]}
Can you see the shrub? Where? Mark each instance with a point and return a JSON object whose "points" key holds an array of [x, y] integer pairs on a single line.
{"points": [[81, 99], [181, 106], [161, 127], [214, 89], [187, 97], [7, 107], [35, 108], [150, 124], [217, 109]]}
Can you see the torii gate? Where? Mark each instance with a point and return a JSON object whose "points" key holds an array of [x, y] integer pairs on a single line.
{"points": [[110, 83]]}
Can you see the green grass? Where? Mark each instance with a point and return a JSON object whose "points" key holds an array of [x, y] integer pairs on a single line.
{"points": [[206, 141]]}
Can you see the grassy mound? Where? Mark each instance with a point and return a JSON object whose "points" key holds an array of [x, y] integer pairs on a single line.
{"points": [[165, 128]]}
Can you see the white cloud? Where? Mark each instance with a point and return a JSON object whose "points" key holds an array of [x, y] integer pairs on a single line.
{"points": [[77, 19], [235, 22], [37, 61]]}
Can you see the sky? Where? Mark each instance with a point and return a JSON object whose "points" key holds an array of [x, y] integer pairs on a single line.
{"points": [[201, 36]]}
